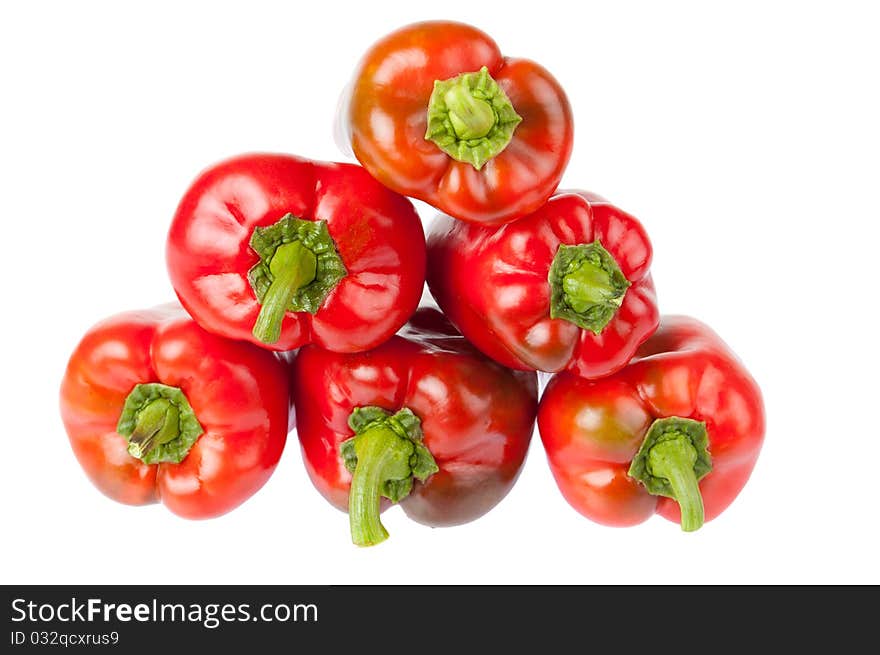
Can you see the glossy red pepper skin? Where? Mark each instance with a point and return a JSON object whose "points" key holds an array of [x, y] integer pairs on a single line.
{"points": [[386, 119], [477, 417], [377, 233], [591, 430], [239, 394], [493, 285]]}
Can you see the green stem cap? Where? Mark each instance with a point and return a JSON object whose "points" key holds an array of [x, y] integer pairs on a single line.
{"points": [[470, 118], [671, 461], [586, 285], [159, 423], [384, 456], [299, 266]]}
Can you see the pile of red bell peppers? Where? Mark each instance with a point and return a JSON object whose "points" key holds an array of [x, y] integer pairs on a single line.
{"points": [[299, 284]]}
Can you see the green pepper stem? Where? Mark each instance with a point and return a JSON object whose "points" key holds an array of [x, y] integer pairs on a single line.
{"points": [[382, 455], [674, 460], [471, 117], [587, 286], [157, 423], [292, 266]]}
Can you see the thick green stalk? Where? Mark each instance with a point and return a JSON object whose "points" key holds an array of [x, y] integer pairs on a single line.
{"points": [[292, 267], [671, 461], [674, 460], [384, 456], [158, 423], [470, 118], [587, 286], [381, 456]]}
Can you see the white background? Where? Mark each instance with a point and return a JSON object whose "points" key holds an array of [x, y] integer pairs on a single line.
{"points": [[745, 136]]}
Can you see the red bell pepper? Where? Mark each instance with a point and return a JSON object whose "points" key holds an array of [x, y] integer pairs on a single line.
{"points": [[158, 409], [567, 287], [424, 405], [676, 432], [283, 251], [437, 113]]}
